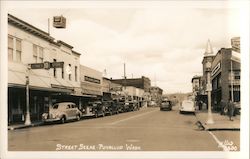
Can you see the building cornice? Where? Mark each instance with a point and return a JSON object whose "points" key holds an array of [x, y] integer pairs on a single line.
{"points": [[29, 28]]}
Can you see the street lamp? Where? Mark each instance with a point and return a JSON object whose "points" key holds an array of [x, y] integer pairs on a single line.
{"points": [[209, 89], [27, 116]]}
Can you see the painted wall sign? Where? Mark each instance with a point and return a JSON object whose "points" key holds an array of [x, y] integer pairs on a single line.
{"points": [[216, 69]]}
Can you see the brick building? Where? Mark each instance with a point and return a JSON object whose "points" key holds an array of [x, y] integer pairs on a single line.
{"points": [[143, 82], [226, 68]]}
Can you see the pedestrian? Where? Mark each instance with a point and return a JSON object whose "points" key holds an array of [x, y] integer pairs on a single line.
{"points": [[223, 105], [200, 105], [204, 105], [231, 110]]}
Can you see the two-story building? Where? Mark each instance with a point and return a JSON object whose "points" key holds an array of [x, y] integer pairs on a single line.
{"points": [[225, 76], [29, 48]]}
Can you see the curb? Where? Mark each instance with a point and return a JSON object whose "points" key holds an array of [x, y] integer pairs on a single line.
{"points": [[24, 126], [204, 127], [222, 129]]}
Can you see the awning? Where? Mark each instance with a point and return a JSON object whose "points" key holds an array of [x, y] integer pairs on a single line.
{"points": [[40, 88], [235, 56]]}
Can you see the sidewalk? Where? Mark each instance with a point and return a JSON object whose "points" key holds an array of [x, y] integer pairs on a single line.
{"points": [[221, 122], [21, 126]]}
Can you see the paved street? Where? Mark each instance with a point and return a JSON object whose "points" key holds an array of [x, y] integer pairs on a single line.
{"points": [[148, 129]]}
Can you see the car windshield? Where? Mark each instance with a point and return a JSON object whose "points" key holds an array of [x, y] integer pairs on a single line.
{"points": [[55, 106]]}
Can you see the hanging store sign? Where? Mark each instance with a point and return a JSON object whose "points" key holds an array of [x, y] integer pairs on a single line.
{"points": [[46, 65], [235, 42], [215, 69], [59, 22]]}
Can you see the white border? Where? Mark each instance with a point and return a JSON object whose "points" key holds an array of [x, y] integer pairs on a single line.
{"points": [[244, 153]]}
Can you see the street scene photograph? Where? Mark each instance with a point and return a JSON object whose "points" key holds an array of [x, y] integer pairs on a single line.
{"points": [[124, 77]]}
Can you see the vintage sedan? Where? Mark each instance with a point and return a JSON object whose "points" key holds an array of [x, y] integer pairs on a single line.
{"points": [[166, 105], [62, 112], [187, 106]]}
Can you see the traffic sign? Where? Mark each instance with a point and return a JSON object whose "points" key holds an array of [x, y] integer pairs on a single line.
{"points": [[37, 65], [46, 65], [56, 64]]}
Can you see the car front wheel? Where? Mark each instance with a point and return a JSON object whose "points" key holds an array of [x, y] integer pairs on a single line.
{"points": [[78, 117], [63, 120]]}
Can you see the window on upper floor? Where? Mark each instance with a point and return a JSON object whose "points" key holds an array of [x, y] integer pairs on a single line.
{"points": [[75, 73], [14, 49], [63, 72], [10, 48], [54, 70], [70, 72], [18, 50], [38, 54]]}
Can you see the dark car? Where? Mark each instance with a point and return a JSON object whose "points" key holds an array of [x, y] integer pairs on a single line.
{"points": [[98, 108], [166, 105], [110, 107]]}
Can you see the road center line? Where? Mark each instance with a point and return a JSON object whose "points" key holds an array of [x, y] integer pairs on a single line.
{"points": [[136, 116], [220, 144]]}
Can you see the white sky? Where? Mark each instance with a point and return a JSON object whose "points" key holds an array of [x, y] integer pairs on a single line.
{"points": [[165, 44]]}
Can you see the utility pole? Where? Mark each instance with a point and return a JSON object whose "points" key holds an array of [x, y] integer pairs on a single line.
{"points": [[48, 26], [125, 82], [232, 84]]}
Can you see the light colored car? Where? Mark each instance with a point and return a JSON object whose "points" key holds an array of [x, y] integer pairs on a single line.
{"points": [[62, 112], [187, 106], [152, 104]]}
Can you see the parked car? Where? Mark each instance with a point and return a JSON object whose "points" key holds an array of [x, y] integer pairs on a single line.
{"points": [[152, 104], [98, 108], [62, 112], [187, 106], [110, 107], [133, 105], [166, 105]]}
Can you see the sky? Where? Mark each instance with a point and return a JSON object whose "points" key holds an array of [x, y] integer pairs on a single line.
{"points": [[164, 43]]}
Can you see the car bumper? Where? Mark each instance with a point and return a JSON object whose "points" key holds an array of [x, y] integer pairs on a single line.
{"points": [[165, 108], [191, 111], [51, 120]]}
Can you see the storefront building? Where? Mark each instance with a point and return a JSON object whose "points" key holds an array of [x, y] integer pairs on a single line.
{"points": [[29, 45], [225, 77], [91, 85]]}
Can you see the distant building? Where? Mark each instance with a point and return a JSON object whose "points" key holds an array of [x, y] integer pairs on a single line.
{"points": [[196, 84], [143, 82], [156, 94]]}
